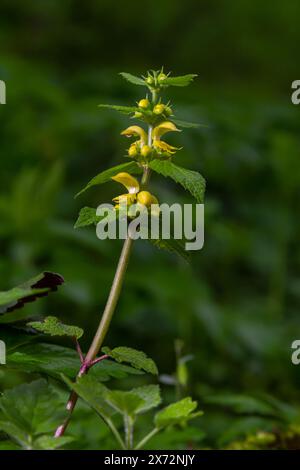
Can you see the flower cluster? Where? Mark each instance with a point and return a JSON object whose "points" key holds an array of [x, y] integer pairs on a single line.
{"points": [[133, 195], [150, 146]]}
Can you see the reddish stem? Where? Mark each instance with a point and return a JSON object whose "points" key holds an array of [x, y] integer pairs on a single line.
{"points": [[85, 367]]}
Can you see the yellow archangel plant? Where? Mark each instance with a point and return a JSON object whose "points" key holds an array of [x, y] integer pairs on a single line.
{"points": [[147, 153]]}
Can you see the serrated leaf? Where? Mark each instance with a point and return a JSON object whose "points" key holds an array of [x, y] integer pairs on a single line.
{"points": [[133, 79], [53, 327], [54, 360], [39, 286], [104, 176], [121, 109], [183, 80], [137, 359], [191, 180], [30, 410], [173, 246], [87, 216], [176, 413]]}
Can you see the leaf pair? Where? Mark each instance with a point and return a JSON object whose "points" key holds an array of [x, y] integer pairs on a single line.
{"points": [[191, 181], [181, 81]]}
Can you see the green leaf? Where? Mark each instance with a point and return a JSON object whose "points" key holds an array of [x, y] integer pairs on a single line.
{"points": [[173, 246], [187, 125], [92, 392], [54, 360], [151, 396], [133, 79], [87, 216], [135, 401], [36, 287], [137, 359], [125, 403], [121, 109], [192, 181], [15, 433], [51, 442], [53, 327], [104, 176], [176, 413], [183, 80], [30, 410]]}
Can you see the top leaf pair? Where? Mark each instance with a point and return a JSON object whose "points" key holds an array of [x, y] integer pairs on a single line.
{"points": [[157, 79]]}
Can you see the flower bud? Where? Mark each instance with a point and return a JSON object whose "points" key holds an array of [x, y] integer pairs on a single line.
{"points": [[145, 198], [144, 103], [149, 80], [159, 108], [138, 115], [132, 151], [161, 77], [145, 150], [168, 110]]}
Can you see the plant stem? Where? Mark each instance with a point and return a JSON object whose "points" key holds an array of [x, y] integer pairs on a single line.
{"points": [[146, 438], [128, 427], [110, 306], [115, 432], [103, 325]]}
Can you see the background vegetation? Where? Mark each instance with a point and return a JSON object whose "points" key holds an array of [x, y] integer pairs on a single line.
{"points": [[236, 309]]}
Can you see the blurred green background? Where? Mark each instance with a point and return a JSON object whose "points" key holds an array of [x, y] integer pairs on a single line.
{"points": [[236, 309]]}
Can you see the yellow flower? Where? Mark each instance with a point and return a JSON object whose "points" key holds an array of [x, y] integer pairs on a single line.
{"points": [[136, 131], [160, 130], [130, 183], [163, 128], [132, 186]]}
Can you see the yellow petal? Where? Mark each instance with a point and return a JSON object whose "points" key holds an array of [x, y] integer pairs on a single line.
{"points": [[161, 145], [135, 130], [124, 199], [130, 183], [145, 198], [163, 128]]}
